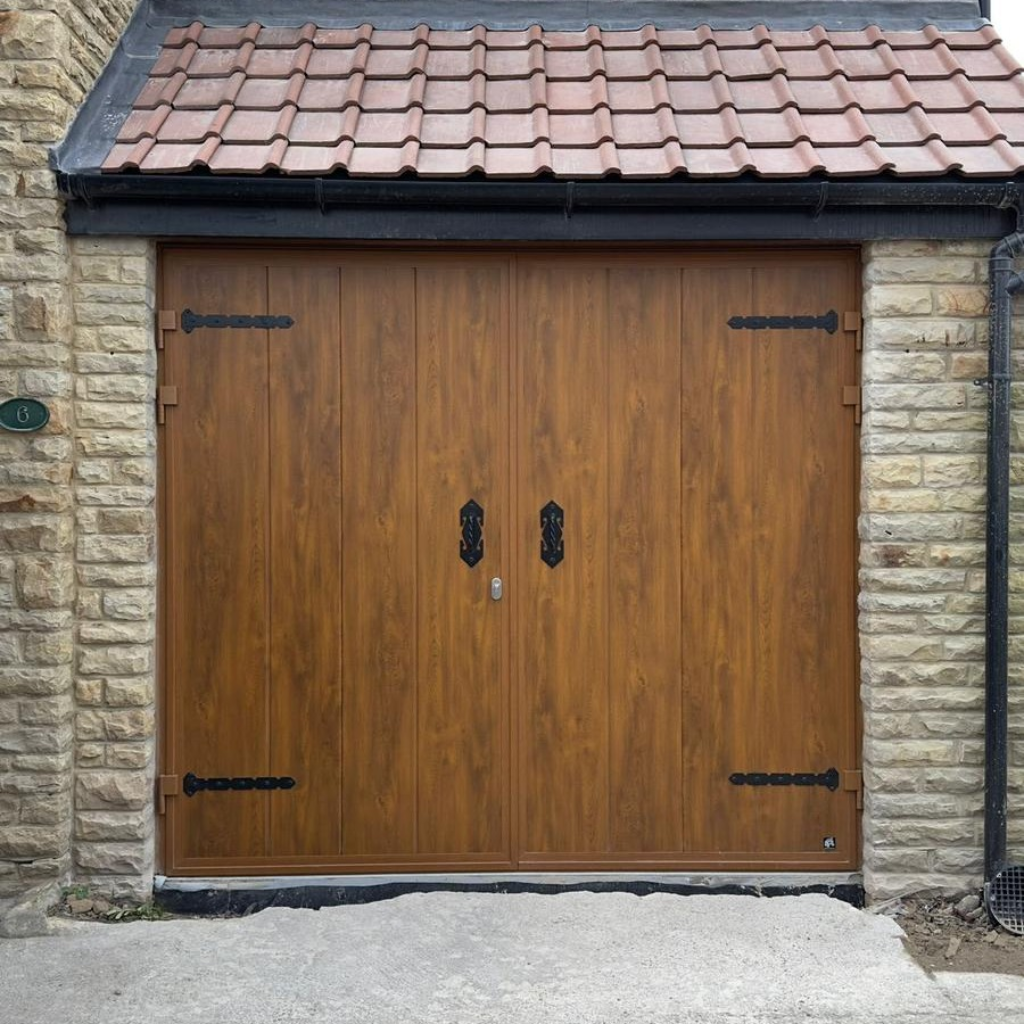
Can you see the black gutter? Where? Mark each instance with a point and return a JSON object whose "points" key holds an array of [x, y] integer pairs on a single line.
{"points": [[93, 188], [986, 9], [1004, 283]]}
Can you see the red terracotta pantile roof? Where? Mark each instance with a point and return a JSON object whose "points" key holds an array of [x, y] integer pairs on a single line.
{"points": [[643, 104]]}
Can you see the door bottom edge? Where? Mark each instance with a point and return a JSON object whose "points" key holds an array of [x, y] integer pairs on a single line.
{"points": [[243, 895]]}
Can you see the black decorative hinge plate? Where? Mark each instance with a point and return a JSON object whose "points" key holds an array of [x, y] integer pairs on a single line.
{"points": [[191, 784], [471, 522], [219, 321], [552, 525], [826, 322], [829, 779]]}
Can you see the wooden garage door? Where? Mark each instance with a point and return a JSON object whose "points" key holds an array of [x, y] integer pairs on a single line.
{"points": [[361, 443]]}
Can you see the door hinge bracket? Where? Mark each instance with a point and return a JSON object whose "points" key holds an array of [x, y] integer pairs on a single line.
{"points": [[853, 323], [166, 785], [852, 396], [166, 320], [853, 782], [166, 394]]}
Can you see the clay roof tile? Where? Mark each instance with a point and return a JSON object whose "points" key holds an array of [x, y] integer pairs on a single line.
{"points": [[645, 103]]}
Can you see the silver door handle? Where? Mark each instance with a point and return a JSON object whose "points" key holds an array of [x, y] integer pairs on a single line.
{"points": [[496, 588]]}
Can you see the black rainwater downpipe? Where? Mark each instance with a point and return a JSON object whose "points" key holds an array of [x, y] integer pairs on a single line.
{"points": [[1004, 893], [1002, 282]]}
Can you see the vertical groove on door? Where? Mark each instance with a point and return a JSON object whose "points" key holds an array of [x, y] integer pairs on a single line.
{"points": [[416, 576], [682, 803], [268, 529], [512, 563], [339, 275], [610, 681]]}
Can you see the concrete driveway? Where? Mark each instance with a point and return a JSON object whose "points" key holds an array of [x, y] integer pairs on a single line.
{"points": [[461, 958]]}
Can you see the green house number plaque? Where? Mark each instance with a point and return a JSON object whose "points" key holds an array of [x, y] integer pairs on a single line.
{"points": [[23, 415]]}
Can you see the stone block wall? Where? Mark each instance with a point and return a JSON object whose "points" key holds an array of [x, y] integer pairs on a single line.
{"points": [[50, 53], [114, 360], [922, 601]]}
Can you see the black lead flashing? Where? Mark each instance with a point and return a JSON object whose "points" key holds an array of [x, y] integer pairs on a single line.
{"points": [[573, 15]]}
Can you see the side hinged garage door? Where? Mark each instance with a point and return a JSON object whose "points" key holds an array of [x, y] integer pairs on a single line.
{"points": [[492, 561]]}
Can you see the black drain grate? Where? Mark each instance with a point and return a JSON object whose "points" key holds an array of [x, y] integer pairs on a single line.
{"points": [[1006, 899]]}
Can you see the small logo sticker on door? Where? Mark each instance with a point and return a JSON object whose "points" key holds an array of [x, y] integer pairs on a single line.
{"points": [[829, 842]]}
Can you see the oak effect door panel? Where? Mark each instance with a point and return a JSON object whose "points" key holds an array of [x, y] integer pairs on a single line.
{"points": [[323, 620]]}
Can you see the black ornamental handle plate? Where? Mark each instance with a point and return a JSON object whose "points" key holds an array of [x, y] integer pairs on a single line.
{"points": [[552, 540], [471, 526]]}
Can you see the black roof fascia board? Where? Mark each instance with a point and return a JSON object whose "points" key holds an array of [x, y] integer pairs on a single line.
{"points": [[104, 110], [536, 223]]}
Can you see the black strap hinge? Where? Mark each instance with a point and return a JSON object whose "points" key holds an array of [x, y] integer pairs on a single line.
{"points": [[237, 321], [829, 779], [191, 784], [828, 322]]}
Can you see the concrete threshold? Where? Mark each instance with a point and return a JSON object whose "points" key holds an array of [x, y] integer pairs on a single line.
{"points": [[243, 895]]}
